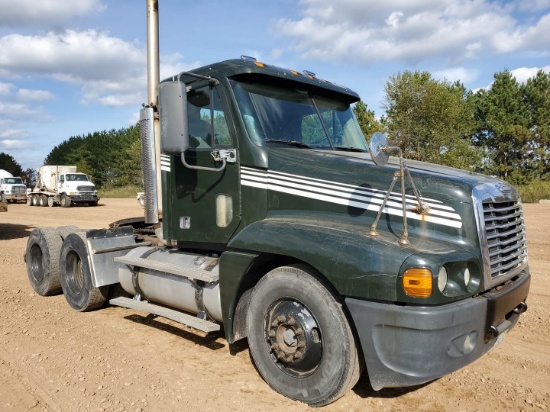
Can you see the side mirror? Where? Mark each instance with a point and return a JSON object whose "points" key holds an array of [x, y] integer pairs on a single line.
{"points": [[378, 146], [174, 135]]}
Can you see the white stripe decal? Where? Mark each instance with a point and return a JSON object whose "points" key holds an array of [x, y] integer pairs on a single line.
{"points": [[347, 195], [165, 163]]}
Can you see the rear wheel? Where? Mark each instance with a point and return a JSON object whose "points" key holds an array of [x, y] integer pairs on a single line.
{"points": [[51, 202], [43, 200], [42, 258], [76, 277], [300, 339], [35, 199]]}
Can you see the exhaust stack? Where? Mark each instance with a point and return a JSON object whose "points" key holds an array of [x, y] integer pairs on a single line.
{"points": [[149, 121]]}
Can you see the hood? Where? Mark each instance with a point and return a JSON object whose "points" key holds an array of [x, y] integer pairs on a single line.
{"points": [[357, 169]]}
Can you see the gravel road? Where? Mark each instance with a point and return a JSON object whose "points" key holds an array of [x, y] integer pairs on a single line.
{"points": [[113, 359]]}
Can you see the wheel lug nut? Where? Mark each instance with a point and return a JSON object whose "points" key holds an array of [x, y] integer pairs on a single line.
{"points": [[298, 355], [275, 346], [275, 323], [299, 331], [272, 333], [281, 318], [280, 355], [301, 344], [291, 321]]}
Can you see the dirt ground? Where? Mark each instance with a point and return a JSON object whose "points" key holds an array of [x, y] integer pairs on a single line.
{"points": [[53, 358]]}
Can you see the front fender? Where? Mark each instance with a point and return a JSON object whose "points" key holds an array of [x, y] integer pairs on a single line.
{"points": [[356, 264]]}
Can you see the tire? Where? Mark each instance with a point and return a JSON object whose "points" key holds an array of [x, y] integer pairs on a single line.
{"points": [[43, 200], [65, 201], [51, 202], [75, 275], [29, 200], [35, 199], [300, 339], [42, 259]]}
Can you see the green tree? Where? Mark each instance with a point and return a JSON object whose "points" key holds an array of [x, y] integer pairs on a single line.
{"points": [[537, 99], [9, 164], [503, 129], [431, 120], [367, 120]]}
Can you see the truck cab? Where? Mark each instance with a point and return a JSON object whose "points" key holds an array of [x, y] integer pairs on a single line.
{"points": [[12, 189]]}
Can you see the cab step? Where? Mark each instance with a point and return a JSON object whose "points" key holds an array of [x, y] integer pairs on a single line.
{"points": [[175, 315], [190, 273]]}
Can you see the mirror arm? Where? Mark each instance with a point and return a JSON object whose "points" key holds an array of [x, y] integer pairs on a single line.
{"points": [[211, 169]]}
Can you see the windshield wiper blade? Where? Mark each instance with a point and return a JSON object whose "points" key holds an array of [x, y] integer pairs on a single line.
{"points": [[349, 148], [288, 142]]}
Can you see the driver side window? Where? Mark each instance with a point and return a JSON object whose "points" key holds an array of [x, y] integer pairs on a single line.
{"points": [[203, 105]]}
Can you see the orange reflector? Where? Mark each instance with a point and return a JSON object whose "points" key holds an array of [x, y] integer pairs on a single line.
{"points": [[259, 64], [417, 282], [295, 73]]}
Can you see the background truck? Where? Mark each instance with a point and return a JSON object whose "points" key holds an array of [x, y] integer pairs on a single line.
{"points": [[267, 214], [62, 185], [12, 189]]}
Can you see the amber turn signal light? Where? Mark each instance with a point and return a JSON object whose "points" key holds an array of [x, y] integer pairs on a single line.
{"points": [[417, 282]]}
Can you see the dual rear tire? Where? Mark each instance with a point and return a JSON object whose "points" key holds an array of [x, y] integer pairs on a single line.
{"points": [[57, 260]]}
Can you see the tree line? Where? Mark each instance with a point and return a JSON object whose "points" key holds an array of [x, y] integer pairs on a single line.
{"points": [[503, 130]]}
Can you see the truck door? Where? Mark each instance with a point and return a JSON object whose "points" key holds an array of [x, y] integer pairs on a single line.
{"points": [[206, 203]]}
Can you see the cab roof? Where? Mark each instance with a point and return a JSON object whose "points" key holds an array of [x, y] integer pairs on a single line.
{"points": [[249, 67]]}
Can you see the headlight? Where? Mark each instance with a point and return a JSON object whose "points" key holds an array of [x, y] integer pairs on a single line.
{"points": [[467, 277], [442, 278]]}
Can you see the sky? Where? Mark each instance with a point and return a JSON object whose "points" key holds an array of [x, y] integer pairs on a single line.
{"points": [[75, 67]]}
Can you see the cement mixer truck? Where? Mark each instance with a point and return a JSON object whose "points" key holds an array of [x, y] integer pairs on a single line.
{"points": [[268, 216], [64, 186]]}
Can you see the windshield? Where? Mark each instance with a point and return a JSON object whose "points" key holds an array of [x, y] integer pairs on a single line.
{"points": [[275, 115], [77, 178], [13, 180]]}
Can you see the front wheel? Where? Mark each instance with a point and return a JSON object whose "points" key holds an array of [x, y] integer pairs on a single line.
{"points": [[76, 276], [65, 201], [300, 339]]}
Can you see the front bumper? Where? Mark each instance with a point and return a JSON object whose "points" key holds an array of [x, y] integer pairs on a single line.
{"points": [[15, 197], [411, 345], [84, 197]]}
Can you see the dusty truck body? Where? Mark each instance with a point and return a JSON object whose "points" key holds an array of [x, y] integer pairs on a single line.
{"points": [[12, 189], [64, 186], [265, 215]]}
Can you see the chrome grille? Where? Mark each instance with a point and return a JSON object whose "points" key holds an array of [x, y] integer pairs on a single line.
{"points": [[505, 234], [19, 190], [85, 188]]}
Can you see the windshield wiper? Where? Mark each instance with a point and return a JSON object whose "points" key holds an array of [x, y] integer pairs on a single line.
{"points": [[288, 142], [349, 148]]}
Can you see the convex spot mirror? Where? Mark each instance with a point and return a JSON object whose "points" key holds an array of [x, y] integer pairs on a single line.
{"points": [[174, 136], [377, 145]]}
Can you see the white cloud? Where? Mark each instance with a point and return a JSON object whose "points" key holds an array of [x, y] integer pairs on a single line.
{"points": [[456, 74], [522, 74], [369, 31], [34, 95], [45, 13], [5, 88], [109, 71]]}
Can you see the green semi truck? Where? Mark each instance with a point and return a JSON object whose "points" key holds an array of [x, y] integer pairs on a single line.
{"points": [[267, 216]]}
